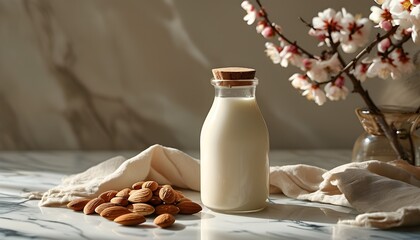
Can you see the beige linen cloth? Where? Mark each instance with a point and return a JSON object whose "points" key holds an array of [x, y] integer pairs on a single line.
{"points": [[386, 194]]}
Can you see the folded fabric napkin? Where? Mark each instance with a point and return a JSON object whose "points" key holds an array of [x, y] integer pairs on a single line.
{"points": [[387, 194]]}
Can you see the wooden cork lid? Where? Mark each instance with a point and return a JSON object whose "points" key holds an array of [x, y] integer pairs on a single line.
{"points": [[233, 73], [234, 76]]}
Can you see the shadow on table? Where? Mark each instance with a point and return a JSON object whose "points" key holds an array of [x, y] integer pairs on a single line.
{"points": [[296, 210]]}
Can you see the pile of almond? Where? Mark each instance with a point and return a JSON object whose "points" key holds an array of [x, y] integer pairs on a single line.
{"points": [[130, 206]]}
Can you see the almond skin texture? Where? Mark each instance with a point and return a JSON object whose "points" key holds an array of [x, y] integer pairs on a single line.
{"points": [[101, 207], [152, 185], [91, 205], [122, 201], [167, 194], [130, 219], [78, 204], [188, 207], [140, 196], [164, 220], [142, 208], [113, 212], [166, 208], [108, 195]]}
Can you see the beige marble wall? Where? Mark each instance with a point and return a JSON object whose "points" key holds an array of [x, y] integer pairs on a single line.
{"points": [[124, 74]]}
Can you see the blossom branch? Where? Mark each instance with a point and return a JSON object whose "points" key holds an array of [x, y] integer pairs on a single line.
{"points": [[365, 51], [342, 29], [265, 16]]}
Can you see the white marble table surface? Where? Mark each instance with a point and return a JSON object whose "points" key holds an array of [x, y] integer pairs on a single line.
{"points": [[284, 218]]}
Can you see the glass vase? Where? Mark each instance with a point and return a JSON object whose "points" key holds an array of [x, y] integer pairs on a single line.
{"points": [[373, 144]]}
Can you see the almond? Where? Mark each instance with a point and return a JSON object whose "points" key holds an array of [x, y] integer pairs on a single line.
{"points": [[130, 219], [155, 200], [167, 194], [137, 185], [184, 199], [122, 201], [108, 195], [101, 207], [123, 193], [188, 207], [164, 220], [142, 208], [91, 205], [178, 196], [152, 185], [140, 196], [166, 208], [111, 213], [156, 192], [168, 186], [78, 204]]}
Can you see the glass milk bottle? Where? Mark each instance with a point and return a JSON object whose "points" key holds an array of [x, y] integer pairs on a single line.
{"points": [[234, 145]]}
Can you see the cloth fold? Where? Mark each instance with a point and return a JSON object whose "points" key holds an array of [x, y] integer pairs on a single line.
{"points": [[387, 194]]}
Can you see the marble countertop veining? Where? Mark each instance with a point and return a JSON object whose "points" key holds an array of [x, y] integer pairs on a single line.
{"points": [[284, 218]]}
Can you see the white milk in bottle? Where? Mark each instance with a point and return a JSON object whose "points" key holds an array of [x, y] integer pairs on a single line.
{"points": [[234, 145]]}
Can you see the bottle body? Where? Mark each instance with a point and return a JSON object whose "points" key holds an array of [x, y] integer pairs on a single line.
{"points": [[234, 148]]}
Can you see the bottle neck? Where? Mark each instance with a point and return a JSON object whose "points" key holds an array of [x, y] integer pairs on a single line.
{"points": [[235, 88]]}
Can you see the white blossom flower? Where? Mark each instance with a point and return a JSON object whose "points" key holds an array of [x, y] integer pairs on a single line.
{"points": [[355, 32], [400, 11], [336, 90], [319, 71], [415, 20], [382, 68], [360, 71], [327, 21], [313, 92], [402, 62], [273, 52], [382, 15], [251, 15], [290, 54], [299, 81]]}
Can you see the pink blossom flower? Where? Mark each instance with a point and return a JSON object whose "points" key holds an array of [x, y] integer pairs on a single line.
{"points": [[313, 92], [273, 52], [336, 90], [299, 81], [268, 32], [260, 26], [355, 32], [251, 15], [384, 45]]}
